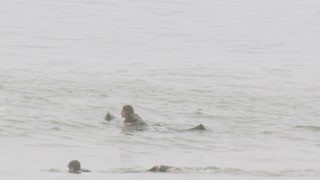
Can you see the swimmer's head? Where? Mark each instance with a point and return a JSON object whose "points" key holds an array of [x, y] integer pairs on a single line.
{"points": [[127, 111], [74, 166]]}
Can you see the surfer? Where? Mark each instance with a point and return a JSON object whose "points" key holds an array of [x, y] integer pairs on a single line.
{"points": [[162, 168], [131, 119], [75, 167], [134, 120]]}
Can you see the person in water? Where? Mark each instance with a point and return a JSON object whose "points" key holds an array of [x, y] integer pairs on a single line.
{"points": [[131, 119], [163, 168], [75, 167]]}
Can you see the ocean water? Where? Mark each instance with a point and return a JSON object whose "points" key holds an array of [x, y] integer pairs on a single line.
{"points": [[248, 70]]}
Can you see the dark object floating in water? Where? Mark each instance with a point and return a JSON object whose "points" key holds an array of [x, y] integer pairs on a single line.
{"points": [[109, 117], [199, 127]]}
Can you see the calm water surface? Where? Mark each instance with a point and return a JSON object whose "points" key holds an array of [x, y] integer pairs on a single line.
{"points": [[248, 70]]}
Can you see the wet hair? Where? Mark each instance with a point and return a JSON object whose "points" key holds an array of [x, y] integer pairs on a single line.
{"points": [[128, 109], [75, 164]]}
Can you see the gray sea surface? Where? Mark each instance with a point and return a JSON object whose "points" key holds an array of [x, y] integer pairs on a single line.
{"points": [[247, 70]]}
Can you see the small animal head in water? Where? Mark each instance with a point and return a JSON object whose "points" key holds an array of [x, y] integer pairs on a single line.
{"points": [[74, 166], [127, 111]]}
